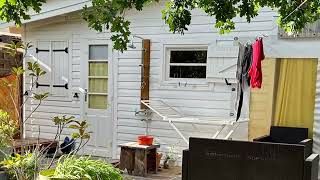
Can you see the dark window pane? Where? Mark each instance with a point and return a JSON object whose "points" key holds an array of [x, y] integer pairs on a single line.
{"points": [[187, 71], [188, 57]]}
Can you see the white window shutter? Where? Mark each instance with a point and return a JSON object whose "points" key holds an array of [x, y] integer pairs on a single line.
{"points": [[44, 60], [222, 60], [60, 66], [53, 57]]}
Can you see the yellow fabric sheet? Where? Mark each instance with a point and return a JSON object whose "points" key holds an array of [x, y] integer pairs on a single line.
{"points": [[295, 98]]}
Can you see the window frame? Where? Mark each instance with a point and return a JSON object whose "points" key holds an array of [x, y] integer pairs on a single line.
{"points": [[169, 49]]}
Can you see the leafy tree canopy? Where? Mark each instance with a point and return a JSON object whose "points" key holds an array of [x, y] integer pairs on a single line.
{"points": [[17, 10], [109, 14], [293, 14]]}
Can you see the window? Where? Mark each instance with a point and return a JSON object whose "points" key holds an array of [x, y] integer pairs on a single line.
{"points": [[187, 63], [98, 77]]}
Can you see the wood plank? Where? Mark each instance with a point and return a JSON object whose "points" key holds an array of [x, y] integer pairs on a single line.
{"points": [[145, 84], [127, 159], [135, 145], [140, 164]]}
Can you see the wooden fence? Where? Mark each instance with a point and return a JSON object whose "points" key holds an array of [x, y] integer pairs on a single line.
{"points": [[10, 95]]}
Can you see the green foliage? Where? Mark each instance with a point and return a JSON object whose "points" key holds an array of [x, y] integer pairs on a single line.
{"points": [[81, 127], [109, 14], [8, 128], [35, 69], [40, 97], [21, 167], [63, 120], [72, 167], [12, 49], [177, 14], [17, 10], [225, 11], [18, 71]]}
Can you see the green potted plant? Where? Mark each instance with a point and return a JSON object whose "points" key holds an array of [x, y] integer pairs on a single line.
{"points": [[21, 167], [170, 158], [48, 174], [81, 168], [8, 128]]}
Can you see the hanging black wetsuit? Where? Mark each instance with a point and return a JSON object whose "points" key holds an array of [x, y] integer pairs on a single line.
{"points": [[243, 66]]}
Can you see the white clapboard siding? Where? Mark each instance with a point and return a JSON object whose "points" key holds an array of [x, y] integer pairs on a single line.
{"points": [[212, 99], [316, 125]]}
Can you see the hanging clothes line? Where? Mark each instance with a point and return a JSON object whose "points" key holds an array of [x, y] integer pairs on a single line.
{"points": [[237, 40], [249, 69]]}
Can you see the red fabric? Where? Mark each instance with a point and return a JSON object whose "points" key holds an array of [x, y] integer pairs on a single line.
{"points": [[255, 71]]}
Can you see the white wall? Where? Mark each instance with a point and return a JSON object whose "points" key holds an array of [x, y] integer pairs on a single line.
{"points": [[211, 99]]}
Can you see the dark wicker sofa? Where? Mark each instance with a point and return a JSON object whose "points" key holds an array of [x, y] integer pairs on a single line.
{"points": [[288, 135], [208, 159]]}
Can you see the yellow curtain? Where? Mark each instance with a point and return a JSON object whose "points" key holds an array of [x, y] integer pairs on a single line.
{"points": [[98, 85], [295, 100]]}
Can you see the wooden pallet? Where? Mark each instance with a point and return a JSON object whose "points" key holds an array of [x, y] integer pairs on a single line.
{"points": [[29, 144]]}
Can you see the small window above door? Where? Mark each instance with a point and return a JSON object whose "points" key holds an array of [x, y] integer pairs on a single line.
{"points": [[98, 77], [98, 52], [186, 63]]}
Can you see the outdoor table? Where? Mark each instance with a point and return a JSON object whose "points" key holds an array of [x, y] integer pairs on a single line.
{"points": [[138, 159]]}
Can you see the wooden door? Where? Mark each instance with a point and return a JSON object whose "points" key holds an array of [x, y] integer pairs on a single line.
{"points": [[97, 82]]}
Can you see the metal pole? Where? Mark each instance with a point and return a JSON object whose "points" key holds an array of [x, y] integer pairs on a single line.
{"points": [[178, 131]]}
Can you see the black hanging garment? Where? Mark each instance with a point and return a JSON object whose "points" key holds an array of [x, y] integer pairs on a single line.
{"points": [[243, 66]]}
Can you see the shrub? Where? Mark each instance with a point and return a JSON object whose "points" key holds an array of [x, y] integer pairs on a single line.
{"points": [[21, 167], [73, 167], [8, 128]]}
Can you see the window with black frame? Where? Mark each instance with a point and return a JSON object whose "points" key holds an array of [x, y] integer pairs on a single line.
{"points": [[187, 63]]}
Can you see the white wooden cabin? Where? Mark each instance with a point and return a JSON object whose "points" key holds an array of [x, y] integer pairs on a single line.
{"points": [[111, 110]]}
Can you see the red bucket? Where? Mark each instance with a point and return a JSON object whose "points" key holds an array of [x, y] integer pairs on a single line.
{"points": [[145, 140]]}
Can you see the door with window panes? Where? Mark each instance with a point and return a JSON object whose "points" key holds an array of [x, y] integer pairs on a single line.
{"points": [[97, 101]]}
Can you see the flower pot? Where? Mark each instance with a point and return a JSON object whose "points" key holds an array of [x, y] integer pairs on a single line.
{"points": [[171, 162], [47, 175], [159, 156], [145, 140]]}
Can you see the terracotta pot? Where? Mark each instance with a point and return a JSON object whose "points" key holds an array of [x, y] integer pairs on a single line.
{"points": [[159, 156]]}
